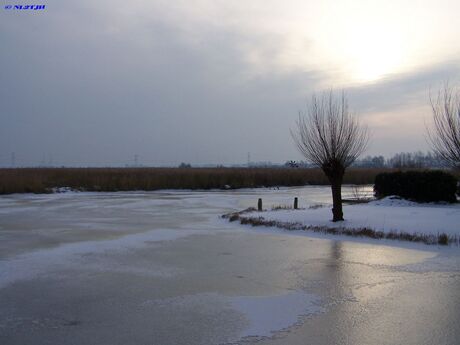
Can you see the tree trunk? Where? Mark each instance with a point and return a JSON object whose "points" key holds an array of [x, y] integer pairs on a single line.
{"points": [[337, 213], [334, 171]]}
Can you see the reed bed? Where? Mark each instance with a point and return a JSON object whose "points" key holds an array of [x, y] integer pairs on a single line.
{"points": [[45, 180]]}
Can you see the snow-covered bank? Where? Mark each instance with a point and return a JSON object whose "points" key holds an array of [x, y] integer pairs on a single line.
{"points": [[389, 218]]}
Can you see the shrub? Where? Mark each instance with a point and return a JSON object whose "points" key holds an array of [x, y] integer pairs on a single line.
{"points": [[422, 186], [443, 239]]}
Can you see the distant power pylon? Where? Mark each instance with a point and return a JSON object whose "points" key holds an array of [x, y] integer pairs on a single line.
{"points": [[136, 160], [249, 159], [13, 159]]}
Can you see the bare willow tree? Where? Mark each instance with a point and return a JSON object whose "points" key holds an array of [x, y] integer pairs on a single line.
{"points": [[445, 133], [332, 138]]}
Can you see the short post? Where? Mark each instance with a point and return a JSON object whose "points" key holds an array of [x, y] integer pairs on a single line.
{"points": [[259, 204], [296, 203]]}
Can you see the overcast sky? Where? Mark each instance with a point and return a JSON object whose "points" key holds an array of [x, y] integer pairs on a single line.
{"points": [[207, 81]]}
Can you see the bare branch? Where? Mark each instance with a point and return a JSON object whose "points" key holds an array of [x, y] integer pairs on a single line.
{"points": [[444, 135], [328, 134]]}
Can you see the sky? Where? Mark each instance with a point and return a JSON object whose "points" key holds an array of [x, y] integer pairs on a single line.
{"points": [[102, 83]]}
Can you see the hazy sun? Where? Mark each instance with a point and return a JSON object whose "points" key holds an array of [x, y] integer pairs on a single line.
{"points": [[362, 45], [371, 53]]}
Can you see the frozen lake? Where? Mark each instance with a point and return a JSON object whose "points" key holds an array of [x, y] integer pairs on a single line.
{"points": [[162, 268]]}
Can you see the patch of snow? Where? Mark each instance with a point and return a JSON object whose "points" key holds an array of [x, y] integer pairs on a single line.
{"points": [[267, 314], [63, 190], [394, 200], [263, 315]]}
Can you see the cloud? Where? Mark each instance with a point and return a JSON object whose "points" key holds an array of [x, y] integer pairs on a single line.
{"points": [[404, 89], [201, 82], [102, 90]]}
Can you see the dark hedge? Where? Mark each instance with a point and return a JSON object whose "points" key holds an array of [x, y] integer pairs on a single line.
{"points": [[422, 186]]}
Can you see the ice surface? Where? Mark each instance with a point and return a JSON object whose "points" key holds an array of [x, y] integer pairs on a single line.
{"points": [[40, 262], [116, 268]]}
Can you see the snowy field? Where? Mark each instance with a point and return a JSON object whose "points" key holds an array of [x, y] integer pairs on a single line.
{"points": [[164, 268], [390, 214]]}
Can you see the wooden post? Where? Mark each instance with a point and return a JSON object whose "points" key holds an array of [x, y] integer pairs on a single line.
{"points": [[296, 203], [259, 204]]}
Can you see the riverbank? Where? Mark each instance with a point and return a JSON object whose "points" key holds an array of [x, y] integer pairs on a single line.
{"points": [[389, 218]]}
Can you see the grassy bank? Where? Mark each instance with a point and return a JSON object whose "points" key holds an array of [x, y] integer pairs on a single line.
{"points": [[42, 180]]}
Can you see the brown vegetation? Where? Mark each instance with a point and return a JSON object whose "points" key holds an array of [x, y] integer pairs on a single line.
{"points": [[42, 180]]}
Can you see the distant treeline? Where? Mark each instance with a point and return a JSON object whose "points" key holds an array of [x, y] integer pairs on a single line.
{"points": [[44, 180], [402, 160]]}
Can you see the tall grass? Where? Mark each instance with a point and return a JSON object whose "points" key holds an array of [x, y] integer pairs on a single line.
{"points": [[43, 180]]}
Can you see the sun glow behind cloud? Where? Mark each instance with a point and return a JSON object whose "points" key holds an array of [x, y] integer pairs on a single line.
{"points": [[364, 41], [351, 42], [370, 51]]}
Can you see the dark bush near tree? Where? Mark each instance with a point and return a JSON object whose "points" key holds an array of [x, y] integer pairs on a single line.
{"points": [[422, 186]]}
